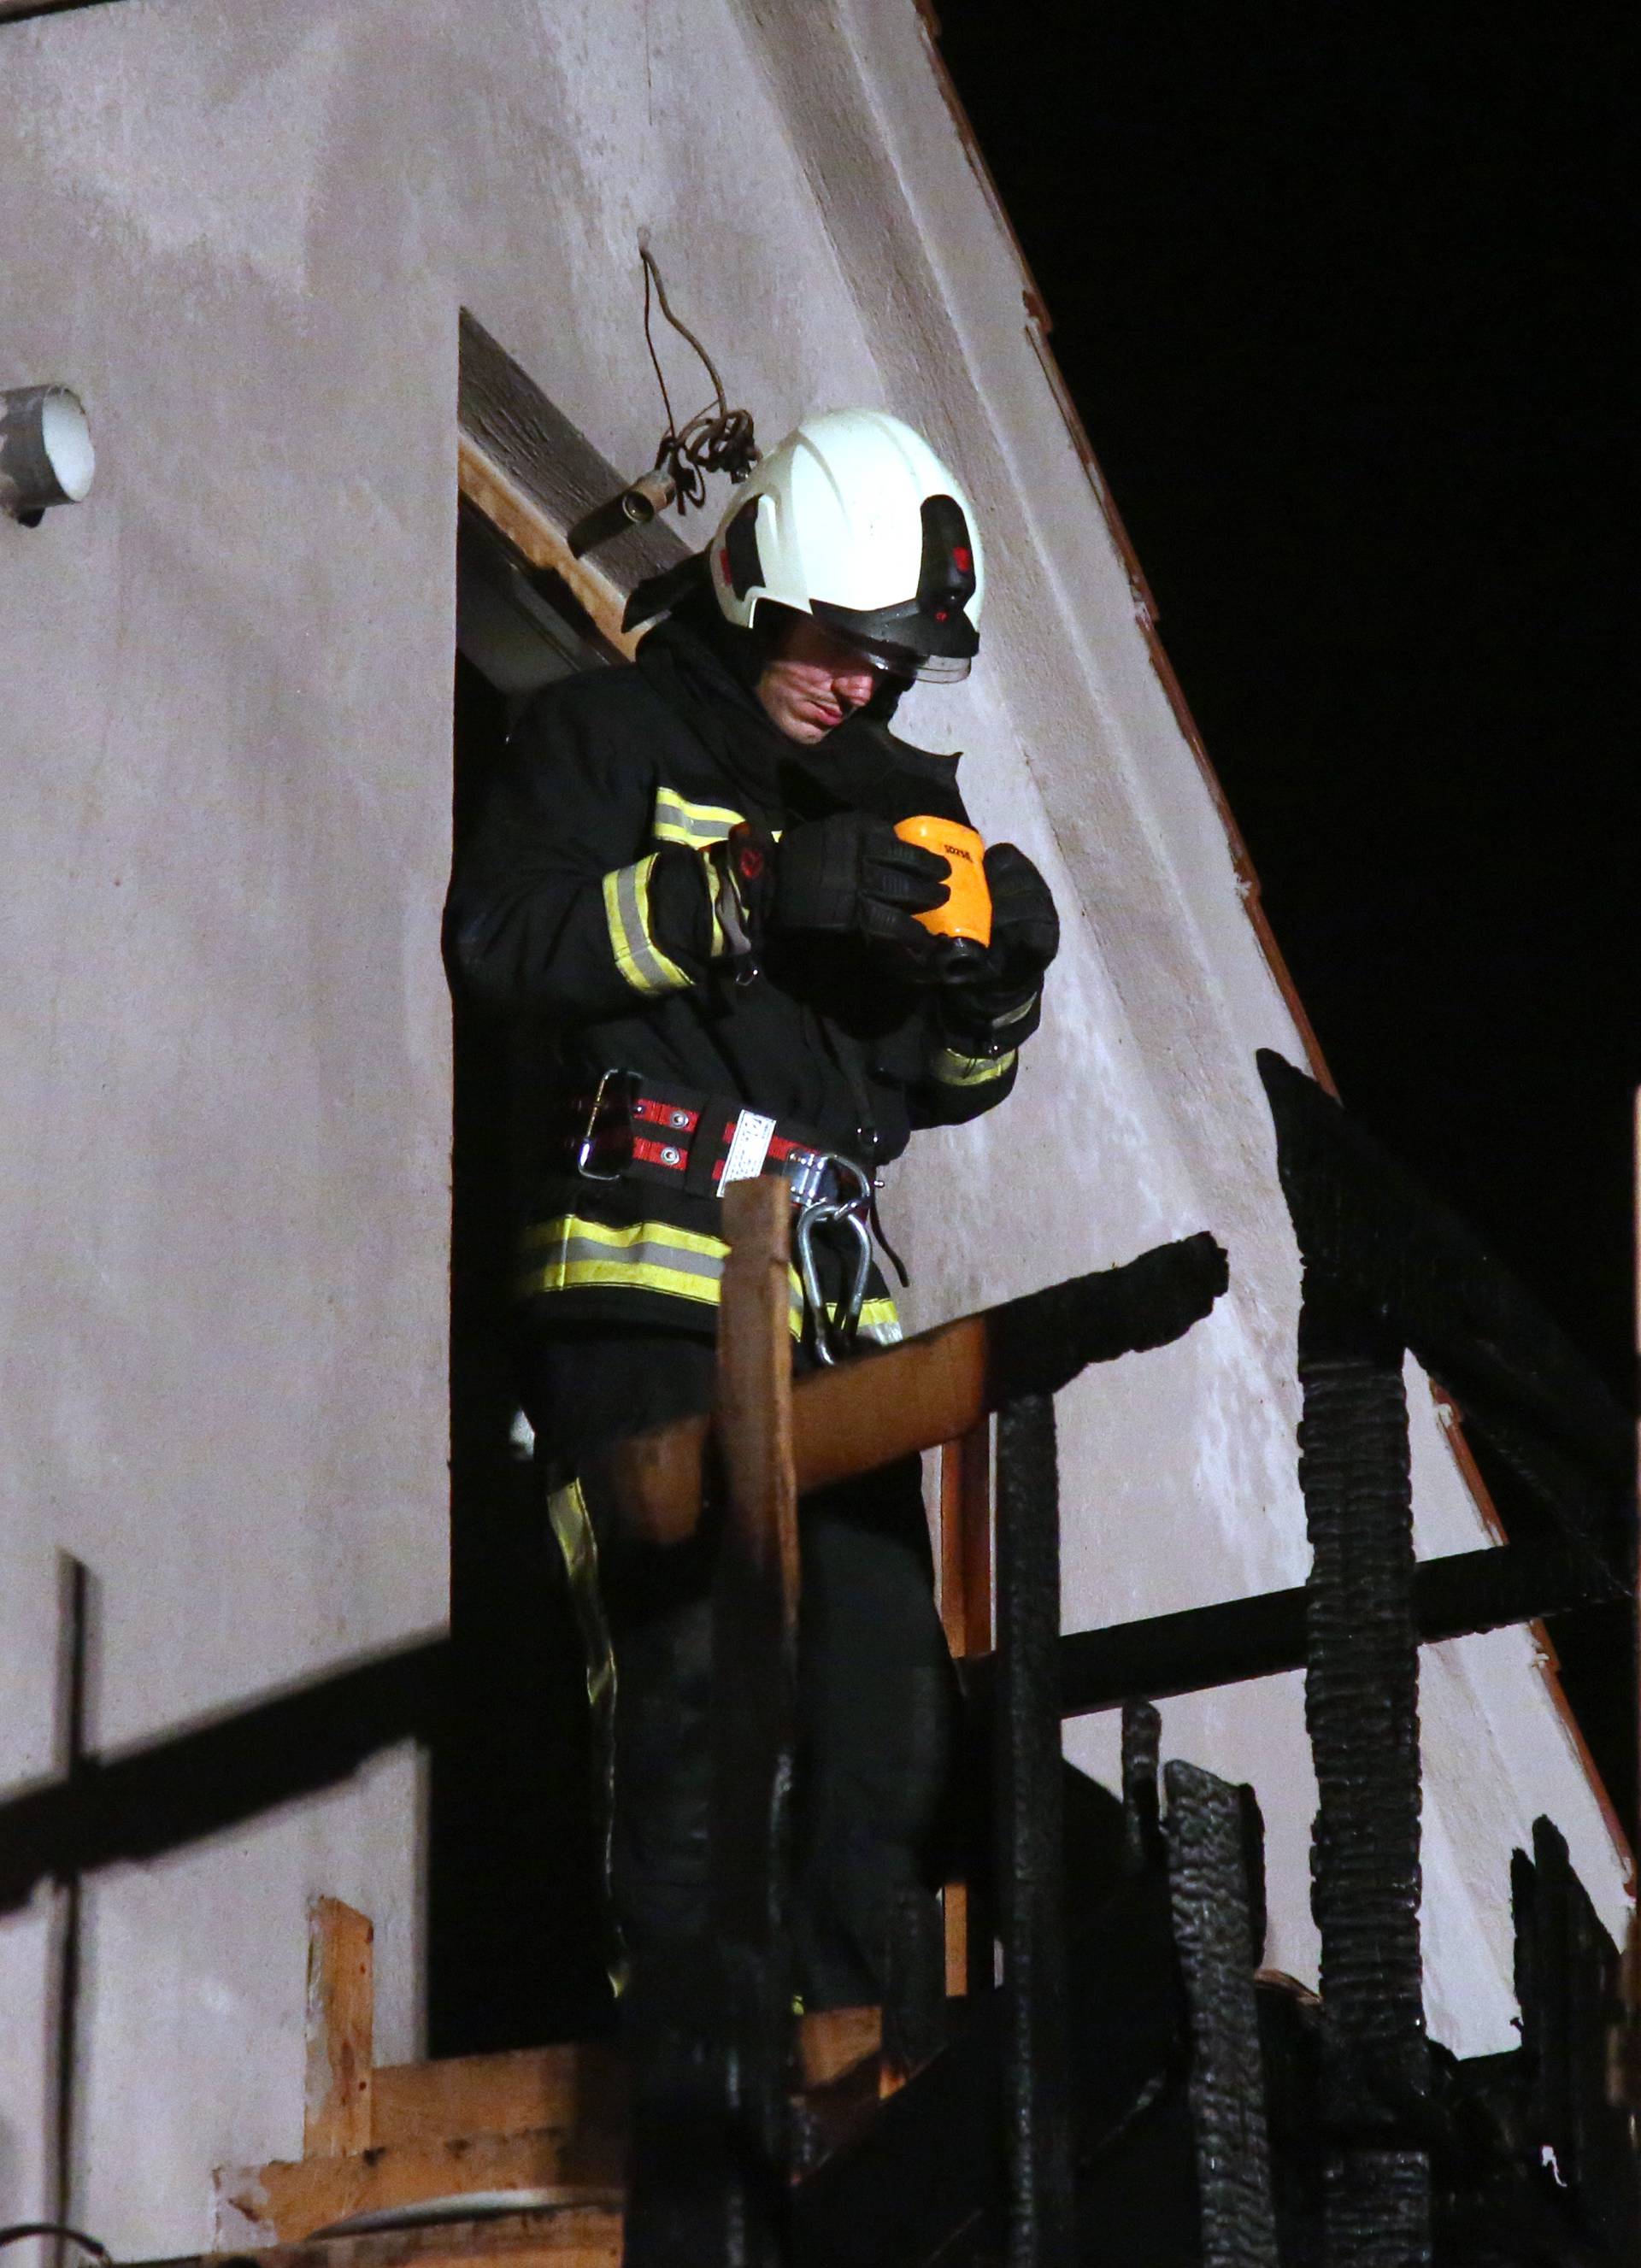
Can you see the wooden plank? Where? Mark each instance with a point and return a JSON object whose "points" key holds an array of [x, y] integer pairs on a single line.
{"points": [[937, 1386], [755, 1639], [966, 1541], [574, 2235], [550, 461], [581, 2084], [539, 539], [285, 2202], [966, 1612], [754, 1392], [341, 2023], [832, 2041]]}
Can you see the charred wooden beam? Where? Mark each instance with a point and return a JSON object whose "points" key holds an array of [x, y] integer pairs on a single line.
{"points": [[1212, 1904], [1030, 1833], [1403, 1255], [1202, 1647], [1361, 1709], [936, 1387]]}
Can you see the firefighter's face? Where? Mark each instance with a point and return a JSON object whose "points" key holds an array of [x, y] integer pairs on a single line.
{"points": [[813, 682]]}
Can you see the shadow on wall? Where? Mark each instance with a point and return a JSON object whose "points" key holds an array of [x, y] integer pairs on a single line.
{"points": [[224, 1769]]}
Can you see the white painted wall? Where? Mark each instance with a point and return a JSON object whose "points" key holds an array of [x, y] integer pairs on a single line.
{"points": [[244, 236]]}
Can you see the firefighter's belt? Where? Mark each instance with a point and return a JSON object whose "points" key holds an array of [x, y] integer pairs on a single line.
{"points": [[628, 1129]]}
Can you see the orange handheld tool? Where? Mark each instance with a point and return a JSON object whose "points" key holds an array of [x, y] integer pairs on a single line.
{"points": [[966, 917]]}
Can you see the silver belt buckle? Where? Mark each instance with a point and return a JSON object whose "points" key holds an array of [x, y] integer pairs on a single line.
{"points": [[588, 1143]]}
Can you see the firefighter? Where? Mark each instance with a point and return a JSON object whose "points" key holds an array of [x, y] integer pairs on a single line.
{"points": [[688, 890]]}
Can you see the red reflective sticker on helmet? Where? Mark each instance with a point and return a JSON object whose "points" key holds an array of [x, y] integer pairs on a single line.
{"points": [[962, 558]]}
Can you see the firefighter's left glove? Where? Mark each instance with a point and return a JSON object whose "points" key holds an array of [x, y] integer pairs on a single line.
{"points": [[851, 874], [1004, 982]]}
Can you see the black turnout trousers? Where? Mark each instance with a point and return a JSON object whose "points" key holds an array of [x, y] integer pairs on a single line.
{"points": [[877, 1695]]}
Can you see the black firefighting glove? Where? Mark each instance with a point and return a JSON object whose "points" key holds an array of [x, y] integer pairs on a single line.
{"points": [[987, 993], [849, 872]]}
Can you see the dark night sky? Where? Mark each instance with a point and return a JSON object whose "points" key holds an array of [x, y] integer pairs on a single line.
{"points": [[1338, 291]]}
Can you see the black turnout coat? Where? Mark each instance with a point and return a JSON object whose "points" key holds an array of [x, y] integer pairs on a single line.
{"points": [[581, 907]]}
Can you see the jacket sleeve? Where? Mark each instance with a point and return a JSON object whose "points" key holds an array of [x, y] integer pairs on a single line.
{"points": [[968, 1071], [559, 904]]}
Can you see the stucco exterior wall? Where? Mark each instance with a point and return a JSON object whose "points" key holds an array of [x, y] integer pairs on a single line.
{"points": [[243, 237]]}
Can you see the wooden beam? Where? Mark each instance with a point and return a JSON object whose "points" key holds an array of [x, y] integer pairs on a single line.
{"points": [[581, 2234], [756, 1603], [341, 2023], [936, 1387], [1203, 1647], [582, 2084], [965, 1560], [538, 539], [283, 2203], [966, 1541], [534, 474]]}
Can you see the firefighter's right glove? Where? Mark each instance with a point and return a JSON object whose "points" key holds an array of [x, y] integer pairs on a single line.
{"points": [[852, 872]]}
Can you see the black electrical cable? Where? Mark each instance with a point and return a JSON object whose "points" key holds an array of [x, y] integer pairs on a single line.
{"points": [[88, 2244], [717, 438]]}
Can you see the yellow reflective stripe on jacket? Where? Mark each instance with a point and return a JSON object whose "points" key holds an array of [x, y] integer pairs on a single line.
{"points": [[571, 1254], [697, 824], [626, 910], [953, 1070]]}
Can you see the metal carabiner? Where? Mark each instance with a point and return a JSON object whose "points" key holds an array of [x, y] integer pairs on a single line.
{"points": [[588, 1144], [836, 1332]]}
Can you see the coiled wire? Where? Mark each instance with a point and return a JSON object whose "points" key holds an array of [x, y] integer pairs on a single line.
{"points": [[717, 438]]}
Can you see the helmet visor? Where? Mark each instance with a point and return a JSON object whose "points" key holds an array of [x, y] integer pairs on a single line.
{"points": [[901, 661]]}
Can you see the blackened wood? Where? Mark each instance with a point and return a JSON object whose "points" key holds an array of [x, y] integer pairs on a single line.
{"points": [[927, 2165], [1142, 1742], [1205, 1646], [501, 409], [1213, 1930], [1376, 2208], [1358, 1212], [1567, 1982], [1029, 1816], [1361, 1706], [914, 1987], [1361, 1695]]}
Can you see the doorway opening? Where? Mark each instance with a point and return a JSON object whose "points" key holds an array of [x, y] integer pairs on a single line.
{"points": [[515, 1942]]}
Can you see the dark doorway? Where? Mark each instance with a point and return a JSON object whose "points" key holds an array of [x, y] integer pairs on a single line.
{"points": [[516, 1943]]}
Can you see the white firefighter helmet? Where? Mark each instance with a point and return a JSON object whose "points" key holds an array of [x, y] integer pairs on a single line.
{"points": [[855, 520]]}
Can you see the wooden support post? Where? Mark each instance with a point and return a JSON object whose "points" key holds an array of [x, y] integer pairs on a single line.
{"points": [[755, 1649], [1030, 1828], [341, 2021], [965, 1563], [713, 2042]]}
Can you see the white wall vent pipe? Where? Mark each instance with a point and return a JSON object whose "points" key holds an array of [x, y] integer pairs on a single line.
{"points": [[45, 454]]}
